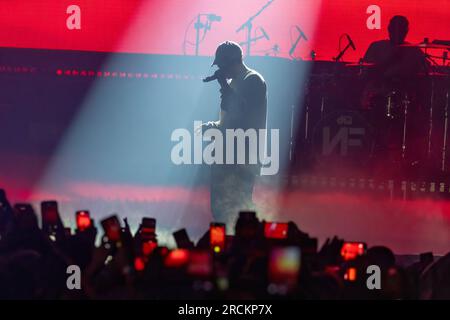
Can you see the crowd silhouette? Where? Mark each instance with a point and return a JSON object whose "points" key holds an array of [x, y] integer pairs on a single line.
{"points": [[262, 260]]}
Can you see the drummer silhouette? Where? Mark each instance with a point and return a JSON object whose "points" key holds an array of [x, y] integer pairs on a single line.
{"points": [[394, 57], [395, 80]]}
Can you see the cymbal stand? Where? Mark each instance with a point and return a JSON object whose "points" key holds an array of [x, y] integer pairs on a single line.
{"points": [[430, 121], [406, 103], [307, 109], [249, 25], [291, 142], [389, 114], [444, 146], [322, 99]]}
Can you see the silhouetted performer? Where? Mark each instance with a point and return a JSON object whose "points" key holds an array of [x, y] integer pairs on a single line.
{"points": [[392, 57], [395, 63], [243, 106], [398, 72]]}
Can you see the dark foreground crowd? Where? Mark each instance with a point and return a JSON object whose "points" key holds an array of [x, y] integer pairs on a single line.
{"points": [[261, 260]]}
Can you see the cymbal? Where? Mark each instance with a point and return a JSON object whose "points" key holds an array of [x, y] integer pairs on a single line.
{"points": [[434, 74], [426, 46], [363, 64], [326, 62], [322, 75]]}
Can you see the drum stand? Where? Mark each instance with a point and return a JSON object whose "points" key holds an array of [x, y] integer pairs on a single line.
{"points": [[406, 103], [430, 121], [389, 114], [444, 145], [308, 114], [307, 104], [291, 142]]}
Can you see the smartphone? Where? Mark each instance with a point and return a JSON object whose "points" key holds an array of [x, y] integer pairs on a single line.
{"points": [[148, 246], [284, 266], [22, 208], [351, 250], [200, 263], [177, 258], [149, 223], [247, 215], [247, 224], [112, 228], [139, 263], [147, 229], [426, 257], [83, 218], [350, 274], [26, 210], [182, 239], [50, 215], [217, 236], [275, 230], [3, 199]]}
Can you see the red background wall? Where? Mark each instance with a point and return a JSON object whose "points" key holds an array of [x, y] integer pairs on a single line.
{"points": [[158, 26]]}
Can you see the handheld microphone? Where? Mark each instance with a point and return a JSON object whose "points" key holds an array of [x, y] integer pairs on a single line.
{"points": [[218, 75], [350, 42], [210, 78]]}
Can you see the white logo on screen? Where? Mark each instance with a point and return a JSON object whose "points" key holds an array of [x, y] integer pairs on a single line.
{"points": [[73, 21], [373, 21]]}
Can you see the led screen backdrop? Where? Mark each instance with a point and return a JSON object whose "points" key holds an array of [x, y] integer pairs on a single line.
{"points": [[162, 26]]}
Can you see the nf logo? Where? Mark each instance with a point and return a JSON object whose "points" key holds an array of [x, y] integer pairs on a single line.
{"points": [[344, 138], [74, 280], [374, 280]]}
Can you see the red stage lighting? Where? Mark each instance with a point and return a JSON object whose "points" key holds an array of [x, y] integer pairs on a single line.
{"points": [[351, 250]]}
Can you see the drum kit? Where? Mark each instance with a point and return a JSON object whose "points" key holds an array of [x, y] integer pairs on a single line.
{"points": [[400, 125]]}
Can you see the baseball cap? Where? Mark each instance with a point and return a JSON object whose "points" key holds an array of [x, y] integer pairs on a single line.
{"points": [[228, 52]]}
